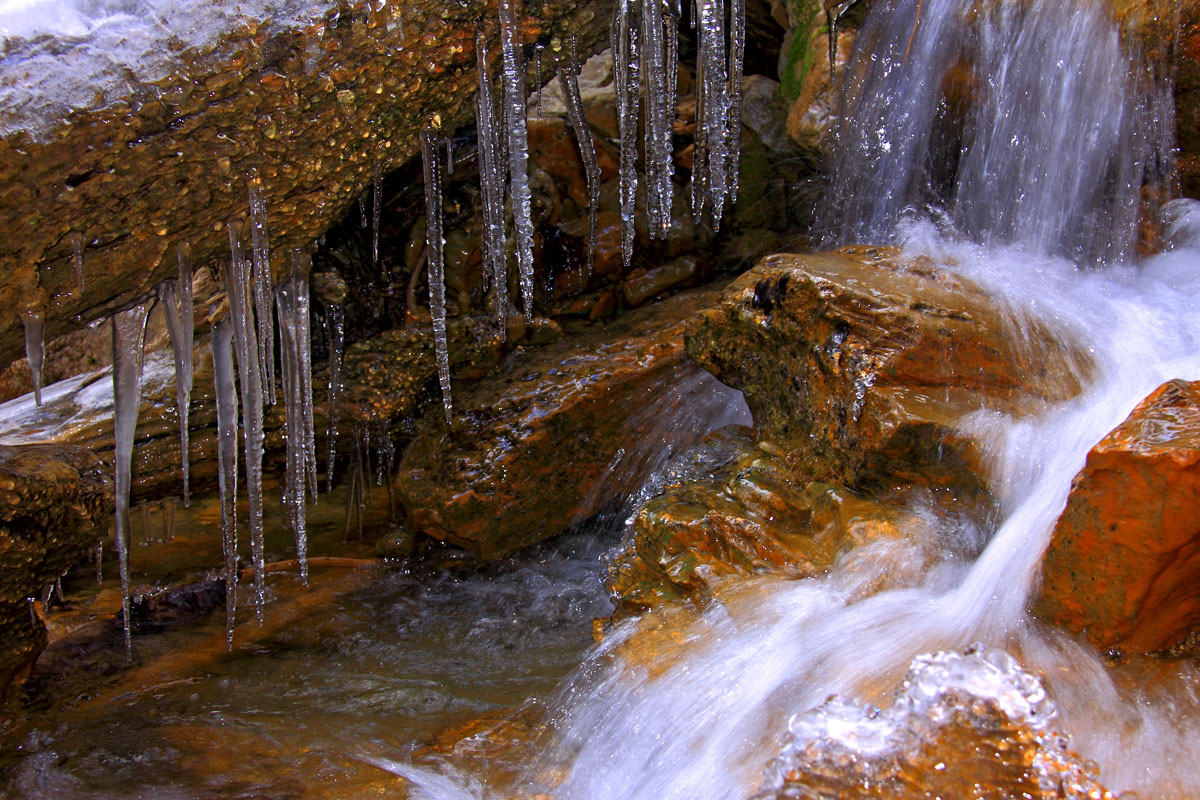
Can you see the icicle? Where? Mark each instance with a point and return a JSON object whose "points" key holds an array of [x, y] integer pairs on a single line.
{"points": [[77, 244], [183, 367], [147, 532], [227, 403], [169, 506], [237, 285], [376, 206], [291, 298], [264, 294], [491, 179], [128, 340], [713, 123], [660, 114], [433, 247], [627, 72], [335, 335], [737, 52], [183, 358], [449, 156], [100, 562], [537, 80], [35, 350], [362, 212], [568, 78], [518, 146]]}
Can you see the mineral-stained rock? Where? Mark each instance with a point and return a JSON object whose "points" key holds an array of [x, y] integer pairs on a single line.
{"points": [[859, 362], [55, 503], [734, 507], [1123, 563], [306, 112], [529, 443]]}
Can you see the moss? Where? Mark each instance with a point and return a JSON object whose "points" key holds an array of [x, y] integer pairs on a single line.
{"points": [[800, 54]]}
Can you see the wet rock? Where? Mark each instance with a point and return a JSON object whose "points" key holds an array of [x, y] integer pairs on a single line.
{"points": [[309, 111], [734, 507], [859, 364], [643, 285], [529, 443], [763, 113], [813, 112], [55, 505], [1124, 560]]}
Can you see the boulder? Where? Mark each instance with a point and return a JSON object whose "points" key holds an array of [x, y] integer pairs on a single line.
{"points": [[732, 508], [859, 363], [56, 503], [529, 444], [1123, 562], [137, 160]]}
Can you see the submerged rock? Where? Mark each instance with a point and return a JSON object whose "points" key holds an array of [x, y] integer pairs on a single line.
{"points": [[859, 363], [56, 503], [1124, 561], [529, 443]]}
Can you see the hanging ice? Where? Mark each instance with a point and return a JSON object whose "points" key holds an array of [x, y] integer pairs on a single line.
{"points": [[147, 531], [291, 298], [335, 336], [712, 113], [537, 79], [657, 26], [737, 52], [433, 247], [168, 506], [518, 145], [227, 403], [178, 314], [260, 251], [35, 349], [128, 339], [568, 78], [77, 244], [626, 73], [237, 285], [376, 206], [491, 180]]}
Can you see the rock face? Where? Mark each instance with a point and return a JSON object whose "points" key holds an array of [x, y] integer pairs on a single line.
{"points": [[306, 114], [735, 508], [55, 504], [529, 443], [1124, 561], [858, 363]]}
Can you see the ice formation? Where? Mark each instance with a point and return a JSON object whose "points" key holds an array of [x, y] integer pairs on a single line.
{"points": [[225, 389], [568, 77], [35, 347], [260, 253], [77, 244], [335, 337], [491, 180], [433, 248], [626, 73], [518, 146]]}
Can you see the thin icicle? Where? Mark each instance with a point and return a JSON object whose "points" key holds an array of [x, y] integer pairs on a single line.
{"points": [[128, 341], [449, 156], [147, 531], [568, 78], [362, 211], [660, 114], [35, 347], [737, 52], [627, 76], [537, 72], [491, 180], [433, 247], [376, 206], [335, 336], [237, 285], [264, 293], [183, 358], [227, 402], [77, 244], [712, 79], [518, 145], [169, 505], [183, 367], [301, 269]]}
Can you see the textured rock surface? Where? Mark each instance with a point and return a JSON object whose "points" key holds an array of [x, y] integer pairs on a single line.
{"points": [[1124, 561], [55, 504], [858, 361], [735, 508], [529, 443], [308, 111]]}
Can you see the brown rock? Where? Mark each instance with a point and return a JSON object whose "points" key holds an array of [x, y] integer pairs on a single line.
{"points": [[1124, 561], [643, 285], [858, 362], [529, 444], [55, 504]]}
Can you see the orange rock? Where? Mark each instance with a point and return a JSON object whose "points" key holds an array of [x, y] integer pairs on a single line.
{"points": [[1124, 561]]}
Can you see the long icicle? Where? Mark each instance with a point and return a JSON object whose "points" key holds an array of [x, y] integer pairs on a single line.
{"points": [[77, 245], [568, 78], [658, 135], [712, 77], [237, 285], [737, 52], [183, 358], [335, 335], [264, 293], [626, 73], [128, 340], [225, 389], [433, 246], [518, 145], [301, 269], [34, 321], [290, 308], [491, 180]]}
